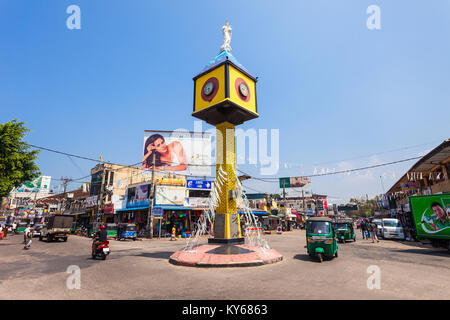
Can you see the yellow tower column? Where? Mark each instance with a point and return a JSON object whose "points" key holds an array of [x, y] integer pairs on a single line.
{"points": [[227, 227]]}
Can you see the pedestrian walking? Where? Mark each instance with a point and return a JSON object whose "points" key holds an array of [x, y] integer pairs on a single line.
{"points": [[367, 225], [374, 229], [5, 231], [1, 232], [363, 229]]}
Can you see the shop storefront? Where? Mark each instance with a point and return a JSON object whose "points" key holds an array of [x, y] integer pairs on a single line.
{"points": [[138, 216], [174, 216]]}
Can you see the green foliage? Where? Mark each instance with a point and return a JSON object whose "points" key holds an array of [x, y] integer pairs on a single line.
{"points": [[16, 160], [365, 207]]}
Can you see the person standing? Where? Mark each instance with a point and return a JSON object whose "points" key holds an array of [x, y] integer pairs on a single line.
{"points": [[363, 229], [374, 229], [174, 234], [367, 224]]}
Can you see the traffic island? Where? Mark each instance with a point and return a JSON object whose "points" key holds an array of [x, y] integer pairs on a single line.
{"points": [[225, 256]]}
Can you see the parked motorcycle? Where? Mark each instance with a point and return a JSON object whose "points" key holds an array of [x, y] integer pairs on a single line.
{"points": [[100, 249]]}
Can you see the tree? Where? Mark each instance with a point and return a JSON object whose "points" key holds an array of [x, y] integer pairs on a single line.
{"points": [[16, 160], [365, 207]]}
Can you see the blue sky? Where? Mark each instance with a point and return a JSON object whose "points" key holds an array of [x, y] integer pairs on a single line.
{"points": [[334, 89]]}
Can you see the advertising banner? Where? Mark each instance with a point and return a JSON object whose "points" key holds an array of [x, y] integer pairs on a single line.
{"points": [[294, 182], [432, 215], [40, 184], [138, 196], [199, 184], [109, 208], [170, 195], [196, 202], [91, 202], [181, 152]]}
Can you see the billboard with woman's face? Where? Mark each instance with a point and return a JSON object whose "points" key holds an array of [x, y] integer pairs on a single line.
{"points": [[180, 152]]}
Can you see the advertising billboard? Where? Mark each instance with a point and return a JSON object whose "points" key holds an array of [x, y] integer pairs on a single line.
{"points": [[181, 152], [170, 195], [91, 202], [197, 202], [40, 184], [199, 184], [138, 196], [431, 215], [294, 182]]}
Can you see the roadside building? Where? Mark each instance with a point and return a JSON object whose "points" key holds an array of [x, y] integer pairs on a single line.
{"points": [[429, 175], [177, 202]]}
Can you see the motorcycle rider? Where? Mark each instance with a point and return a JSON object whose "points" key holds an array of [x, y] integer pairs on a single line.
{"points": [[100, 236]]}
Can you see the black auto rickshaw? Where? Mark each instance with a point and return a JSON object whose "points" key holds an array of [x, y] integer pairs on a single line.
{"points": [[344, 230], [320, 238], [126, 231]]}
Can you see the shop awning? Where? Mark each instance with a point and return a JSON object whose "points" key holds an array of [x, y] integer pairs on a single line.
{"points": [[132, 209], [168, 207], [254, 212]]}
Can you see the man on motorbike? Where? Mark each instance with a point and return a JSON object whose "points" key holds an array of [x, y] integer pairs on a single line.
{"points": [[100, 235]]}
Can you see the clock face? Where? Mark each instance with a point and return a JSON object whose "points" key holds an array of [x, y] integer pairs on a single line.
{"points": [[243, 89], [208, 88]]}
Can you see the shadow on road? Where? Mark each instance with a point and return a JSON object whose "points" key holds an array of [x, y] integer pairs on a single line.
{"points": [[430, 252], [156, 255], [303, 257]]}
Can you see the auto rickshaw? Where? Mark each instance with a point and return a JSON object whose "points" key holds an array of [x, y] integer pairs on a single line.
{"points": [[126, 231], [93, 228], [344, 230], [320, 238], [21, 226], [111, 230], [74, 227]]}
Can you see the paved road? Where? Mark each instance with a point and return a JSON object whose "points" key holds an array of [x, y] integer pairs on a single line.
{"points": [[140, 270]]}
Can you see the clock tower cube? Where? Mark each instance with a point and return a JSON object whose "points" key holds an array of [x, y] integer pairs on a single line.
{"points": [[225, 92]]}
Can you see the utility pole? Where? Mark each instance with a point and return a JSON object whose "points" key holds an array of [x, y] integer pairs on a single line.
{"points": [[102, 190], [303, 198], [65, 182], [151, 195]]}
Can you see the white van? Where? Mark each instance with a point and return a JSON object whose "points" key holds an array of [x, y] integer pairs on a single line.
{"points": [[392, 229]]}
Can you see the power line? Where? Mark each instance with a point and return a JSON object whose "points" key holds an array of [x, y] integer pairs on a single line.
{"points": [[269, 180]]}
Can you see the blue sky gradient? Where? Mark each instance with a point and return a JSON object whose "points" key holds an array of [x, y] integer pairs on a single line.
{"points": [[335, 89]]}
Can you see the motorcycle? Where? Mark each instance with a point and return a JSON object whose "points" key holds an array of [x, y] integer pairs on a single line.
{"points": [[100, 250]]}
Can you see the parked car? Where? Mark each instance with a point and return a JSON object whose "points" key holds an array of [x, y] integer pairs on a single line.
{"points": [[392, 229], [37, 230]]}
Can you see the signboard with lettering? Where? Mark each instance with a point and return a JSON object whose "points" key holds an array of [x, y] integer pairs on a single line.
{"points": [[199, 184], [294, 182]]}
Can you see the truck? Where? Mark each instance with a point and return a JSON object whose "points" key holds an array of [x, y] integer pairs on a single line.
{"points": [[431, 215], [58, 227]]}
